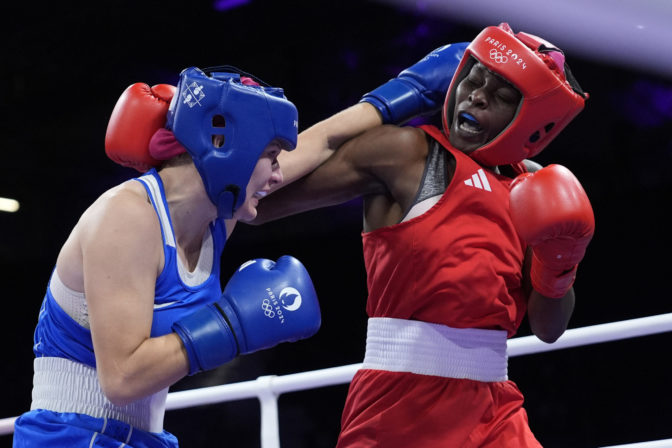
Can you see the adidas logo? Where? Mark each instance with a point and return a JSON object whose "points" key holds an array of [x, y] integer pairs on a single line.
{"points": [[479, 181]]}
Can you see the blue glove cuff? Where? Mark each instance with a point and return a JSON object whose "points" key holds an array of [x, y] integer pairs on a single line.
{"points": [[226, 308], [396, 100], [419, 90], [207, 338]]}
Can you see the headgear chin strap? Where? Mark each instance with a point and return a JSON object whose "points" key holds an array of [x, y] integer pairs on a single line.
{"points": [[551, 97], [225, 125]]}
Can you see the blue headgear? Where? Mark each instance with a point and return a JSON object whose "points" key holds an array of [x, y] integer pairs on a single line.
{"points": [[225, 126]]}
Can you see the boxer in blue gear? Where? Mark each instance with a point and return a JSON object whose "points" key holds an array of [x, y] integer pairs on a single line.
{"points": [[135, 303]]}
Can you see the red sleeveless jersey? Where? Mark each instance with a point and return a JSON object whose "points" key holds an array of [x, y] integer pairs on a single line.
{"points": [[458, 264]]}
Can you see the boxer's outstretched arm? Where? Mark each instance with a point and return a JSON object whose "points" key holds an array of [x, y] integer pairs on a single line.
{"points": [[417, 91], [319, 141], [382, 160]]}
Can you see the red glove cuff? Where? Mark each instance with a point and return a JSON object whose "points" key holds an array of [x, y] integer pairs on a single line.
{"points": [[551, 283]]}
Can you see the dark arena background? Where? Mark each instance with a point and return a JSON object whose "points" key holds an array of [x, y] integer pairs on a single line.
{"points": [[65, 64]]}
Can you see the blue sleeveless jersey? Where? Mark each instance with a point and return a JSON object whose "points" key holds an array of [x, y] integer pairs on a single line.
{"points": [[57, 334]]}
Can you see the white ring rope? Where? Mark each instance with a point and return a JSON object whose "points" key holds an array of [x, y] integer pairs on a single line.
{"points": [[7, 425], [595, 334], [667, 443], [268, 388]]}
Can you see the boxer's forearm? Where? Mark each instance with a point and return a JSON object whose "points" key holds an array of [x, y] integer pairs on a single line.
{"points": [[318, 142]]}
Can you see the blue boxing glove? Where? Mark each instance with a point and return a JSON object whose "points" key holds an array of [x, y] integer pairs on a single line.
{"points": [[264, 303], [420, 89]]}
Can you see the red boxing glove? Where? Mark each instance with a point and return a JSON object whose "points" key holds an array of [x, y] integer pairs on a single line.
{"points": [[552, 213], [139, 113]]}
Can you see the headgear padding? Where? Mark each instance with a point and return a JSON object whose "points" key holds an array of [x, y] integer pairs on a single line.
{"points": [[163, 145], [225, 126], [551, 98]]}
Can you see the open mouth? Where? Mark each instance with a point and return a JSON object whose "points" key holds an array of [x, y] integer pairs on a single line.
{"points": [[260, 194], [467, 123]]}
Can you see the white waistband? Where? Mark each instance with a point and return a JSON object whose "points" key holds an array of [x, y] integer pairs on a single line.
{"points": [[62, 385], [401, 345]]}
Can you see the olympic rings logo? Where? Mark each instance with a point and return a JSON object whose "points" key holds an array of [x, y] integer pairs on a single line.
{"points": [[498, 56], [268, 308]]}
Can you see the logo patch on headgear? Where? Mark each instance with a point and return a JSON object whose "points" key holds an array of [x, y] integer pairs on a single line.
{"points": [[498, 57], [193, 94]]}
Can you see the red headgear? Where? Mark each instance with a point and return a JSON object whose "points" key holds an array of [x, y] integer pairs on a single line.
{"points": [[551, 98]]}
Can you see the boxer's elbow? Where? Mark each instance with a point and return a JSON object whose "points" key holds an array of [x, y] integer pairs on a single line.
{"points": [[548, 336], [119, 387]]}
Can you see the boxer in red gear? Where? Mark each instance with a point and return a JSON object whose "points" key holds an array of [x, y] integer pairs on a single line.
{"points": [[445, 248]]}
